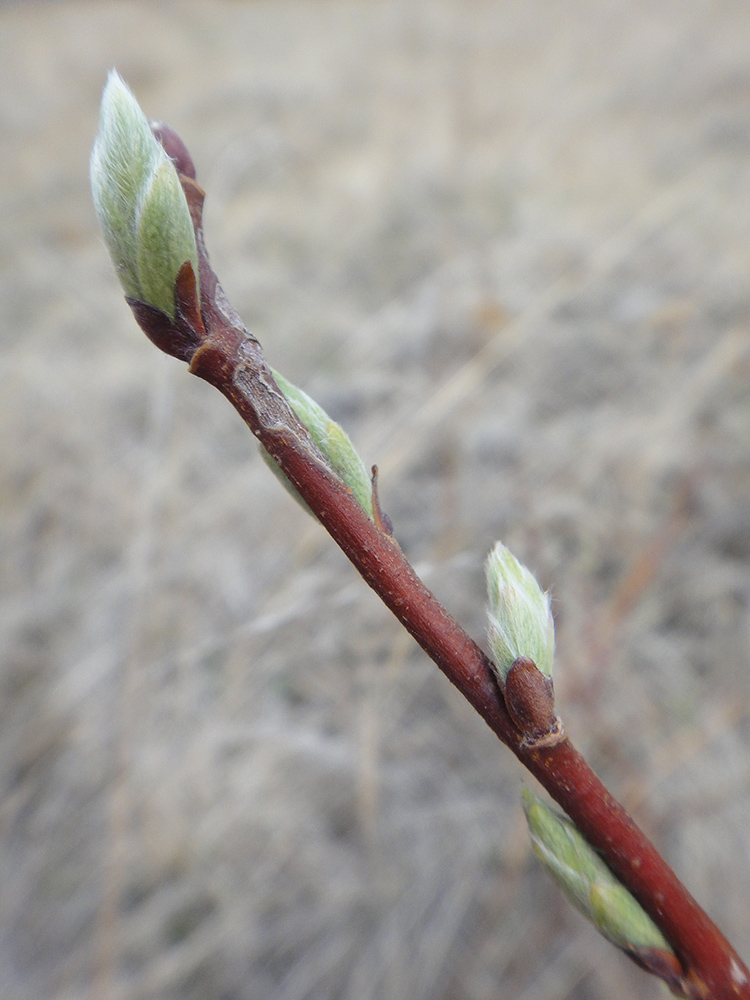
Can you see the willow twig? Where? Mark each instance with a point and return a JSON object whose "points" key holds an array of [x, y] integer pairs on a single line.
{"points": [[200, 326]]}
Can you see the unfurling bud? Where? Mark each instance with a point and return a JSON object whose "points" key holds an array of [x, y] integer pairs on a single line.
{"points": [[140, 202], [331, 439], [588, 883], [520, 618]]}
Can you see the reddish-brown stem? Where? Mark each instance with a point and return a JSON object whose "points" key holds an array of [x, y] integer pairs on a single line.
{"points": [[220, 350], [711, 968]]}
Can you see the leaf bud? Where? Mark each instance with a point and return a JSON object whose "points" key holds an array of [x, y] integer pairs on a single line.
{"points": [[587, 882], [139, 201], [332, 441], [520, 618]]}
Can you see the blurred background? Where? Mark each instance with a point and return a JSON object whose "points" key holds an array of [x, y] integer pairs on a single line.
{"points": [[507, 245]]}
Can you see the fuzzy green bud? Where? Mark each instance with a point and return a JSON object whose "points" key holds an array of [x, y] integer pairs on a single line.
{"points": [[331, 439], [139, 201], [520, 618], [587, 882]]}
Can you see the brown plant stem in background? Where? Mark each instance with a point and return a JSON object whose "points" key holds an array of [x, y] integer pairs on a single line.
{"points": [[211, 337]]}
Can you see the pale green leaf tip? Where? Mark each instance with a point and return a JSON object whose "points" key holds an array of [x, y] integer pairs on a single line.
{"points": [[520, 617], [587, 882], [139, 201]]}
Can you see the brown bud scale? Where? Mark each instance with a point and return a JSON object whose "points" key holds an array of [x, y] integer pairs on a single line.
{"points": [[530, 700]]}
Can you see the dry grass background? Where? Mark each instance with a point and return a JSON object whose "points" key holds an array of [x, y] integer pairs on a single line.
{"points": [[508, 246]]}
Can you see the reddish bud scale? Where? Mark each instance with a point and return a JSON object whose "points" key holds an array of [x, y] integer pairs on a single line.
{"points": [[530, 700]]}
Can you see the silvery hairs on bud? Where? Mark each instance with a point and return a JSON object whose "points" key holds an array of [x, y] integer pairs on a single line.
{"points": [[139, 201], [520, 617]]}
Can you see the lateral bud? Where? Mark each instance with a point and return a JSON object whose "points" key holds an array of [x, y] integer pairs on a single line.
{"points": [[592, 887], [520, 618], [333, 442]]}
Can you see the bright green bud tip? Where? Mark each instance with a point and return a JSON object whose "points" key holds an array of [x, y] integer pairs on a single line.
{"points": [[520, 618], [587, 881], [139, 201], [331, 439]]}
